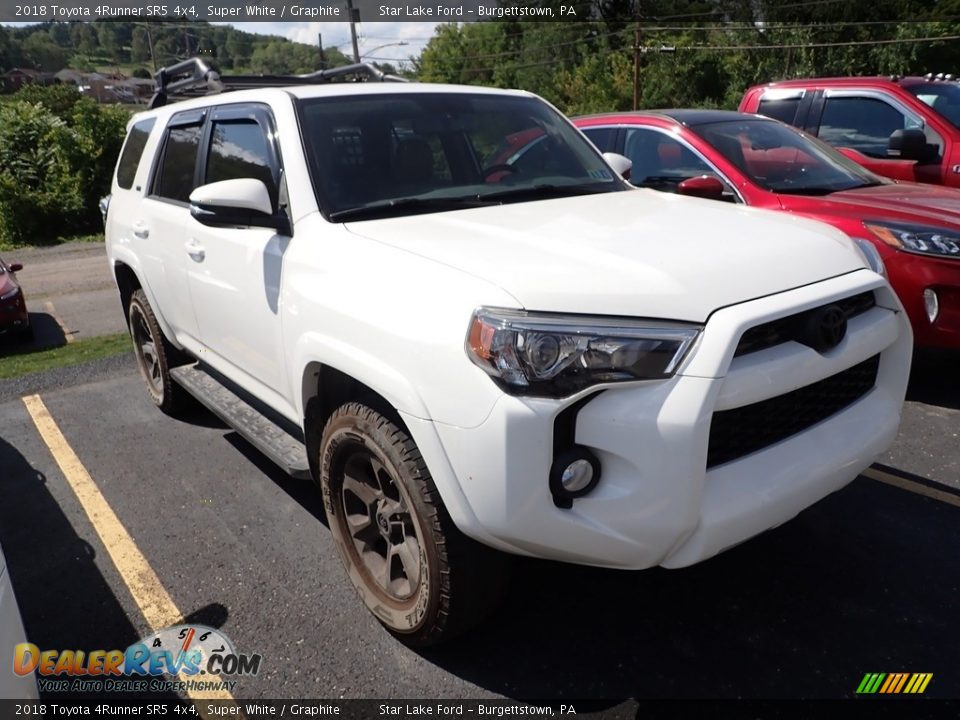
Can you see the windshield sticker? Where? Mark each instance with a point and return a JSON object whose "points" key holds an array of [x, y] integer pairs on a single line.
{"points": [[601, 174]]}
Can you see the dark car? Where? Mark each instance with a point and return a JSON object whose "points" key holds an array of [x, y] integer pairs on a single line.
{"points": [[14, 319]]}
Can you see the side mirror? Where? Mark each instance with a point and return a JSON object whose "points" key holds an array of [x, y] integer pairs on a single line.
{"points": [[621, 165], [243, 202], [910, 144], [15, 267], [705, 186]]}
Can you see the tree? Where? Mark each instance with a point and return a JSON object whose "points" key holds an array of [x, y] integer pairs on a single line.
{"points": [[43, 53], [140, 46]]}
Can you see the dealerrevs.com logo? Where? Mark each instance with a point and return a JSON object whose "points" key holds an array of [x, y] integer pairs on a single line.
{"points": [[198, 654]]}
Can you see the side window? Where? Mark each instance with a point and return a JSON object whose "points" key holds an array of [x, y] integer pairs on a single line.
{"points": [[174, 179], [601, 137], [239, 149], [862, 123], [784, 110], [132, 151], [660, 162]]}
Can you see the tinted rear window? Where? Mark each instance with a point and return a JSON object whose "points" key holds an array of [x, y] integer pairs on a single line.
{"points": [[783, 110], [132, 151], [175, 175]]}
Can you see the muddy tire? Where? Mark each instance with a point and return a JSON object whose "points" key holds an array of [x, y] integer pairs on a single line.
{"points": [[155, 356], [422, 578]]}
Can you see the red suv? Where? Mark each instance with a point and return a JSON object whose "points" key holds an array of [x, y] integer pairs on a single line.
{"points": [[763, 163], [905, 128]]}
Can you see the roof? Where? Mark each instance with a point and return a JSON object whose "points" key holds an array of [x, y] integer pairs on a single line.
{"points": [[690, 117], [336, 89], [850, 80]]}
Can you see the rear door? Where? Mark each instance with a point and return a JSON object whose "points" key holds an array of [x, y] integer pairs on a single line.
{"points": [[159, 227], [235, 272]]}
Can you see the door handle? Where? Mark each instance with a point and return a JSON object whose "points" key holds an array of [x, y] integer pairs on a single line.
{"points": [[141, 231], [195, 249]]}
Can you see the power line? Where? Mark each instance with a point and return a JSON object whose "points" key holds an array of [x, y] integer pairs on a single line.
{"points": [[720, 12], [709, 48], [852, 43]]}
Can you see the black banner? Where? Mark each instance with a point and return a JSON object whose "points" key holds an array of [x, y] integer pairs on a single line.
{"points": [[873, 708]]}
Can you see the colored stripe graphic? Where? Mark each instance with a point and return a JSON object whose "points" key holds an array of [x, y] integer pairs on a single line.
{"points": [[894, 683]]}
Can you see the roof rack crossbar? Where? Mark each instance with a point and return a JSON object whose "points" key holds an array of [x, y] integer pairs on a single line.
{"points": [[195, 76]]}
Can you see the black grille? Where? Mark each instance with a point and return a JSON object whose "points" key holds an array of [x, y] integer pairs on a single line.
{"points": [[792, 327], [744, 430]]}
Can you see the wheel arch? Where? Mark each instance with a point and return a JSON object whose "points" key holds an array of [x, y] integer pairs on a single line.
{"points": [[128, 281], [324, 388]]}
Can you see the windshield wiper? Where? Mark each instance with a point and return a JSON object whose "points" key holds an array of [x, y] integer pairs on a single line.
{"points": [[545, 191], [411, 205]]}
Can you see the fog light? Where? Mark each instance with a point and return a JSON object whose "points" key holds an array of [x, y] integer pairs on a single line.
{"points": [[931, 303], [576, 476], [575, 472]]}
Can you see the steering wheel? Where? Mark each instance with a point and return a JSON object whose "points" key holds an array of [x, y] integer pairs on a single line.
{"points": [[499, 167]]}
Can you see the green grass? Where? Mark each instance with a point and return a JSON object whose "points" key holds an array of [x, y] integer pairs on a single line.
{"points": [[89, 238], [71, 354]]}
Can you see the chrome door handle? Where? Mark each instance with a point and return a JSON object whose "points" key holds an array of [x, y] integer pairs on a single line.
{"points": [[195, 249], [141, 231]]}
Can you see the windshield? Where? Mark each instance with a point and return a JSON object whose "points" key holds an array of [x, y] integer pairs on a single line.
{"points": [[942, 97], [781, 159], [404, 153]]}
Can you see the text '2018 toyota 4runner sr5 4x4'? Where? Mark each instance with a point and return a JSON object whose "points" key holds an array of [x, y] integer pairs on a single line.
{"points": [[443, 305]]}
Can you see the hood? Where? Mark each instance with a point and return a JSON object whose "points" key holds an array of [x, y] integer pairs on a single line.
{"points": [[638, 253], [900, 202]]}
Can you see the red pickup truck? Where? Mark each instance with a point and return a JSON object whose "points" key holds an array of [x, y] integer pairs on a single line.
{"points": [[906, 128]]}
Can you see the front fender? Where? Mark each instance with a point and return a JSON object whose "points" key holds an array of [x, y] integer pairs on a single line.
{"points": [[372, 371]]}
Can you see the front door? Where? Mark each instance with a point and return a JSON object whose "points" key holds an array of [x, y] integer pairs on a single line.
{"points": [[235, 272]]}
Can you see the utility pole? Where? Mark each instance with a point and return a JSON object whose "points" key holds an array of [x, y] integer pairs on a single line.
{"points": [[354, 19], [636, 67], [153, 57], [323, 59]]}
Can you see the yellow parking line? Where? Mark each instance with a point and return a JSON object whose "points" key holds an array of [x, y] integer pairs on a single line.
{"points": [[151, 597], [910, 486], [67, 333]]}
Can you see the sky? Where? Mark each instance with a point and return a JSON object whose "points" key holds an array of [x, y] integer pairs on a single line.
{"points": [[372, 35]]}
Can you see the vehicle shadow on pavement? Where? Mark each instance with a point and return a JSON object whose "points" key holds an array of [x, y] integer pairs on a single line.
{"points": [[864, 581], [47, 334], [54, 574], [934, 379], [304, 492]]}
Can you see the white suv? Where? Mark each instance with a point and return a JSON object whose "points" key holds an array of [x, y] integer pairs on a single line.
{"points": [[443, 305]]}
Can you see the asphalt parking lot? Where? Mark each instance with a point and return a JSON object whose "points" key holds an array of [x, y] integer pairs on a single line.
{"points": [[865, 581]]}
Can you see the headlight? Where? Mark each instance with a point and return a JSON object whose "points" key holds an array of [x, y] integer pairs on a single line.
{"points": [[871, 255], [918, 238], [558, 355]]}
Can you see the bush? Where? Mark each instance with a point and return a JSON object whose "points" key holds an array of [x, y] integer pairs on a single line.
{"points": [[57, 154], [58, 99], [41, 194]]}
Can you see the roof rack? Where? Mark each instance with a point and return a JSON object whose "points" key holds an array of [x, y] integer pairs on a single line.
{"points": [[196, 77]]}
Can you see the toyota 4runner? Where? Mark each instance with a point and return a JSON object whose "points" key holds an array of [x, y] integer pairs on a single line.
{"points": [[444, 306]]}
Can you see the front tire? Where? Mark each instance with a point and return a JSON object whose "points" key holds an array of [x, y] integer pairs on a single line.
{"points": [[153, 354], [423, 580]]}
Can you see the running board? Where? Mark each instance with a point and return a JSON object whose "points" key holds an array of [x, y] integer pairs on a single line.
{"points": [[256, 428]]}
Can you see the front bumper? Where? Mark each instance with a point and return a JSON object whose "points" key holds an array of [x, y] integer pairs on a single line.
{"points": [[657, 502], [910, 275]]}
